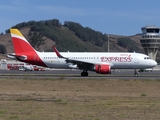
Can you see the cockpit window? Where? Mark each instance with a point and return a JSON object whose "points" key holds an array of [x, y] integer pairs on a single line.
{"points": [[146, 58]]}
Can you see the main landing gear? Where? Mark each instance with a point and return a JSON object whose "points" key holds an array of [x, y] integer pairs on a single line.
{"points": [[135, 73], [84, 73]]}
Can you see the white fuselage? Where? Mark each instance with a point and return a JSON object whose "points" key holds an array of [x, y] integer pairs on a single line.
{"points": [[115, 60]]}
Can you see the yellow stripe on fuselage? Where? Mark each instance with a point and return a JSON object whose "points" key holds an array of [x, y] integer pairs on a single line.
{"points": [[16, 32]]}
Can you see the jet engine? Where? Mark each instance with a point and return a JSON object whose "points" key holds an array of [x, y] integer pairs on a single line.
{"points": [[102, 69]]}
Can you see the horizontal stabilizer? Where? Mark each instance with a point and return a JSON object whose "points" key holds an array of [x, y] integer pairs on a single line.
{"points": [[15, 57], [11, 56]]}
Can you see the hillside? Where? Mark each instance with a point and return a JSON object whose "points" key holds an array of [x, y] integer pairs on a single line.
{"points": [[71, 37]]}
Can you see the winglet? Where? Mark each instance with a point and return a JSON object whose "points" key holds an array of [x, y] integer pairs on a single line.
{"points": [[57, 52]]}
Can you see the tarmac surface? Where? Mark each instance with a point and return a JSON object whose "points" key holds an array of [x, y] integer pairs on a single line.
{"points": [[116, 74]]}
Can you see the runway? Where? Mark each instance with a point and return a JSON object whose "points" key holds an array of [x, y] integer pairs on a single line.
{"points": [[62, 74]]}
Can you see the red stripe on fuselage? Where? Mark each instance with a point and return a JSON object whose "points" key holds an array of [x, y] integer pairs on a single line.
{"points": [[22, 47]]}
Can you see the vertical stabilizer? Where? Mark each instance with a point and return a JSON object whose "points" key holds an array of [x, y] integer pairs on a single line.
{"points": [[23, 50], [20, 44]]}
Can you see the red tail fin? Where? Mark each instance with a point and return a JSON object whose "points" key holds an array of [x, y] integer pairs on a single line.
{"points": [[21, 45], [23, 50]]}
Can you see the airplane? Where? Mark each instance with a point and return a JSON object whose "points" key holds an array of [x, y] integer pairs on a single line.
{"points": [[100, 62]]}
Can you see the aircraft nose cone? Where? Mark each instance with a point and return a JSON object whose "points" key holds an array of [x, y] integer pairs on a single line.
{"points": [[154, 63]]}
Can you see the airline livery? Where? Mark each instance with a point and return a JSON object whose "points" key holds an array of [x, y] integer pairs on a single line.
{"points": [[100, 62]]}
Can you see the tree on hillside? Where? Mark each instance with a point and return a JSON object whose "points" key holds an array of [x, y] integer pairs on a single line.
{"points": [[54, 22], [3, 49], [36, 39], [129, 44], [86, 34]]}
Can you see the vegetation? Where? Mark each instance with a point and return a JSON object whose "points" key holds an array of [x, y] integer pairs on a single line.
{"points": [[129, 44], [79, 99], [87, 34], [73, 37], [143, 95], [3, 49], [36, 39]]}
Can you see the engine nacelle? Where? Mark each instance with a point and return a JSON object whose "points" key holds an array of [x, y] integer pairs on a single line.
{"points": [[103, 69], [73, 66]]}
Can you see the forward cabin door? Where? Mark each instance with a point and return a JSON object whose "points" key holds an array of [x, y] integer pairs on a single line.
{"points": [[136, 60]]}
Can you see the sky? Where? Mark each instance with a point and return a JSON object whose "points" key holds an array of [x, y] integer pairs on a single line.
{"points": [[118, 17]]}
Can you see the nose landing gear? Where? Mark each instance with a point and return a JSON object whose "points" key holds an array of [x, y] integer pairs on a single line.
{"points": [[135, 73]]}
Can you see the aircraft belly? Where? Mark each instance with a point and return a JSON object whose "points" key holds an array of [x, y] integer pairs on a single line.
{"points": [[123, 66], [129, 66], [58, 65]]}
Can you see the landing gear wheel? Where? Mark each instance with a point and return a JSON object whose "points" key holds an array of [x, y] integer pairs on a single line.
{"points": [[135, 73], [84, 73]]}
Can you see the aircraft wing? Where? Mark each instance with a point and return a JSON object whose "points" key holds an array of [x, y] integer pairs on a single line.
{"points": [[81, 64]]}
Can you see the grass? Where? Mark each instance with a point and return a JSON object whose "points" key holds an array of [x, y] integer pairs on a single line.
{"points": [[85, 99], [143, 95]]}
